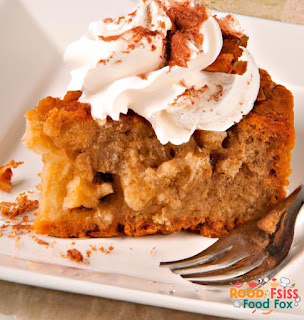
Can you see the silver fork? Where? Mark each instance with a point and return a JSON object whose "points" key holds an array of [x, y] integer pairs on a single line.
{"points": [[253, 250]]}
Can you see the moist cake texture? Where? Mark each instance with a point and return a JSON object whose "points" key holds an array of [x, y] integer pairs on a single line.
{"points": [[210, 160], [108, 178]]}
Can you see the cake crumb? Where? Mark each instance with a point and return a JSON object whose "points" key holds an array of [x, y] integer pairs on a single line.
{"points": [[93, 247], [89, 252], [39, 241], [17, 243], [12, 234], [103, 250], [6, 175], [74, 255], [21, 226], [22, 205], [73, 243], [152, 251]]}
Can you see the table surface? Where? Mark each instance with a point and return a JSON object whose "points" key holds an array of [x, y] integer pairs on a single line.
{"points": [[29, 303]]}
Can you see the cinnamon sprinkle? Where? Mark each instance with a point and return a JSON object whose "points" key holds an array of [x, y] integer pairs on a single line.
{"points": [[217, 95], [143, 76], [110, 38], [225, 25], [133, 13], [136, 33], [187, 21], [108, 20], [119, 19]]}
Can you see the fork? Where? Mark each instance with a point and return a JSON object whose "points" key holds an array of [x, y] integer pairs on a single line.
{"points": [[253, 250]]}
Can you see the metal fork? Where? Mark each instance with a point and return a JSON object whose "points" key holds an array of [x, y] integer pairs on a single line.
{"points": [[253, 250]]}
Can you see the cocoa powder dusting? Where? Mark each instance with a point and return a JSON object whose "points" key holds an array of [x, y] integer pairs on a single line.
{"points": [[187, 21], [186, 17], [180, 51]]}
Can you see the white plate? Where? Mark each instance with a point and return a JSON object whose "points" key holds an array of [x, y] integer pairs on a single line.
{"points": [[130, 272]]}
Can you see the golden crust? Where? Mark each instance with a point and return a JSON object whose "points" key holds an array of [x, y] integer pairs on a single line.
{"points": [[210, 185]]}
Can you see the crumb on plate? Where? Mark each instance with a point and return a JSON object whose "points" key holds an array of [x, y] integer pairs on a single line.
{"points": [[6, 175], [39, 241], [103, 250], [152, 251], [21, 205], [74, 255]]}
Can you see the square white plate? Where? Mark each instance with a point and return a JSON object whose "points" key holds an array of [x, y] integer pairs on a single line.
{"points": [[31, 68]]}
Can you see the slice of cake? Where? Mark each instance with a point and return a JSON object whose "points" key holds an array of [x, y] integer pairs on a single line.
{"points": [[168, 125]]}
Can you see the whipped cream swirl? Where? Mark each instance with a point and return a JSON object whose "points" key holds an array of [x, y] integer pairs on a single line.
{"points": [[121, 64]]}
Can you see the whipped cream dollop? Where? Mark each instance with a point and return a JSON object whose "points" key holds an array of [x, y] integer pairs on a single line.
{"points": [[122, 64]]}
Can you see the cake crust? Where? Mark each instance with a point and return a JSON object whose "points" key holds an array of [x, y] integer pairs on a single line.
{"points": [[109, 178]]}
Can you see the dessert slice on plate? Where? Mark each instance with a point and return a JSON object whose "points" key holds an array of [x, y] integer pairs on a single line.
{"points": [[168, 125]]}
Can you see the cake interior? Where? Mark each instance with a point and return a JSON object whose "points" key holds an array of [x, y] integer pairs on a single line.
{"points": [[108, 178]]}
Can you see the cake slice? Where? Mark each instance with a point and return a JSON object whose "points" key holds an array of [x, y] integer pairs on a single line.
{"points": [[113, 178], [108, 176]]}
